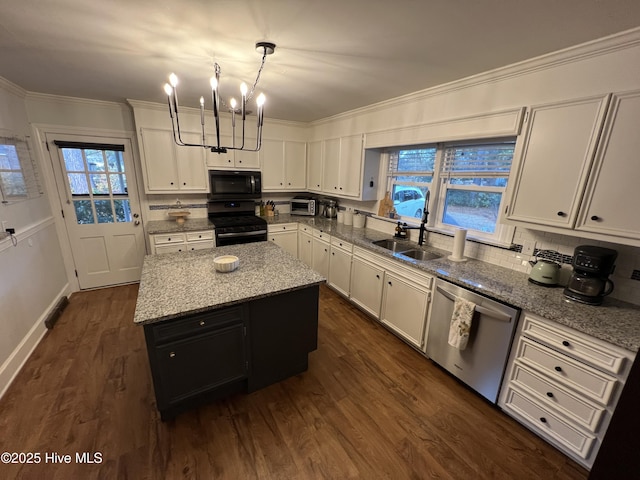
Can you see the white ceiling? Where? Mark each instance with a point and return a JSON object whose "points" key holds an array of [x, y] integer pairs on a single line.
{"points": [[332, 55]]}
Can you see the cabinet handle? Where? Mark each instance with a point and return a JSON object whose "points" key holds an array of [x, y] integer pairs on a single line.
{"points": [[558, 369], [565, 343], [595, 218], [168, 239], [390, 284], [201, 322], [135, 215], [171, 183], [561, 214], [378, 276], [333, 253], [184, 183], [229, 160], [550, 394], [172, 354], [543, 420]]}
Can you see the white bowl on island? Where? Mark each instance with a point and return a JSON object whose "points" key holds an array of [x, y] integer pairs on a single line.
{"points": [[226, 263]]}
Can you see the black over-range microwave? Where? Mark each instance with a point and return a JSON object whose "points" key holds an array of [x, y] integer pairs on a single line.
{"points": [[234, 185]]}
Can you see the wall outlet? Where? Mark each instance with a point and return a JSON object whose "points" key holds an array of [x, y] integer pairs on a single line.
{"points": [[528, 247]]}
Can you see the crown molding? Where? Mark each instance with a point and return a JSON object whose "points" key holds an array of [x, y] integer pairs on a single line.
{"points": [[61, 99], [606, 45], [12, 88]]}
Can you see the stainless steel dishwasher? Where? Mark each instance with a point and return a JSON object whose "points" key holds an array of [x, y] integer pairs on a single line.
{"points": [[482, 363]]}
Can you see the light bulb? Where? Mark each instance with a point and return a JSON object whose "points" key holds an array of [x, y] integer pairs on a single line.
{"points": [[233, 103], [202, 101], [167, 89], [214, 83], [261, 99], [173, 80], [243, 89]]}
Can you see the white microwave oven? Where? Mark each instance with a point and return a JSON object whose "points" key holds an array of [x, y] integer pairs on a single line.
{"points": [[302, 205]]}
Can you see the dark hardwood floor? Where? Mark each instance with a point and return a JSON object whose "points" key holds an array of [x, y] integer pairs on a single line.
{"points": [[369, 407]]}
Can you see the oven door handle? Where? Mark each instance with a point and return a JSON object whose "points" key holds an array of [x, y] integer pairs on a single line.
{"points": [[241, 234], [253, 184], [503, 317]]}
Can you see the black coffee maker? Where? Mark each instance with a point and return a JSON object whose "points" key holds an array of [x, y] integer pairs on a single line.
{"points": [[589, 282]]}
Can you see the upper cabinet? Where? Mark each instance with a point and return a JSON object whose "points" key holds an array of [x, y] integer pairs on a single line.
{"points": [[233, 158], [339, 167], [283, 165], [574, 170], [167, 167]]}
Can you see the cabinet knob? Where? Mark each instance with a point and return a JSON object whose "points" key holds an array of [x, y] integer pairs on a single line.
{"points": [[558, 369], [565, 343], [169, 239], [550, 394], [377, 276], [543, 420], [562, 214], [333, 253], [390, 284], [171, 183], [229, 160], [135, 215], [172, 354], [595, 218], [201, 322], [184, 183], [136, 223], [280, 183]]}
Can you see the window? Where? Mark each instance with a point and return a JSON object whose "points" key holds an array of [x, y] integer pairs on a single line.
{"points": [[467, 181], [18, 174]]}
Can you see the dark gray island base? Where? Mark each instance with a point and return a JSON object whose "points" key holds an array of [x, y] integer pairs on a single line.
{"points": [[233, 345]]}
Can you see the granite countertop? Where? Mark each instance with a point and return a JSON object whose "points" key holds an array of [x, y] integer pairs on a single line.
{"points": [[614, 321], [176, 284], [170, 226]]}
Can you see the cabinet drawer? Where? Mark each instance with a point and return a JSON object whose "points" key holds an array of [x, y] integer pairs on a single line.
{"points": [[574, 344], [282, 227], [549, 424], [567, 371], [165, 238], [346, 246], [305, 228], [199, 245], [171, 248], [196, 236], [582, 412], [199, 323], [322, 235]]}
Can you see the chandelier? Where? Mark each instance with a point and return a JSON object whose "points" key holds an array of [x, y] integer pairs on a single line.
{"points": [[266, 48]]}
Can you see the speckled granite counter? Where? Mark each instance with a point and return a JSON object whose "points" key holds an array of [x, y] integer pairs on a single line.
{"points": [[170, 226], [175, 284], [614, 321]]}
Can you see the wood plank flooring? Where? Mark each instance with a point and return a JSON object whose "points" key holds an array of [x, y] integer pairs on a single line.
{"points": [[369, 407]]}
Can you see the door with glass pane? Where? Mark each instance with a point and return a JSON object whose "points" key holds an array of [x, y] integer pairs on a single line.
{"points": [[96, 184]]}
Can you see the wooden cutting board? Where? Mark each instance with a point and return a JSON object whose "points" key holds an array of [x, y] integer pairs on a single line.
{"points": [[386, 206]]}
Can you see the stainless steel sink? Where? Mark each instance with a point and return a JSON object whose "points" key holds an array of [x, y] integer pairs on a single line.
{"points": [[392, 245], [420, 255]]}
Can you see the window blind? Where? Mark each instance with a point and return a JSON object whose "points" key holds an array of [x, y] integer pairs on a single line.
{"points": [[417, 160], [485, 159]]}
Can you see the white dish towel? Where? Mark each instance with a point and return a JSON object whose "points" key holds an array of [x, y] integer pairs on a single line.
{"points": [[461, 323]]}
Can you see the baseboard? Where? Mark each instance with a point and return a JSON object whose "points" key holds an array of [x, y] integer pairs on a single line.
{"points": [[12, 366]]}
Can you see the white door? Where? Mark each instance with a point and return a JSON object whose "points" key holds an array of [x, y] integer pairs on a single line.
{"points": [[97, 188]]}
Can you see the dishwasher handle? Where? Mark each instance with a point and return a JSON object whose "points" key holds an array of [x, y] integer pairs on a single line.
{"points": [[503, 317]]}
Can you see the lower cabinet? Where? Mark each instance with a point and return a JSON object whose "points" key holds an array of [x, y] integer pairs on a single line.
{"points": [[340, 266], [305, 247], [563, 385], [181, 241], [320, 254], [366, 285], [285, 235]]}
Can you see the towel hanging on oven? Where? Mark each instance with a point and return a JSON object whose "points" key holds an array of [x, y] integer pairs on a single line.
{"points": [[461, 323]]}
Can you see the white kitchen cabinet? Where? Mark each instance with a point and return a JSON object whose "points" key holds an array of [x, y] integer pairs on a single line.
{"points": [[169, 168], [314, 167], [232, 158], [366, 284], [181, 241], [340, 265], [572, 163], [321, 252], [283, 165], [563, 385], [404, 307], [305, 245], [284, 235]]}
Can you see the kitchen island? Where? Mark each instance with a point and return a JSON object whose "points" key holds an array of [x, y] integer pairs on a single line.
{"points": [[210, 334]]}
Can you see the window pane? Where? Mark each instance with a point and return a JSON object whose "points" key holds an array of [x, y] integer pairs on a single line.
{"points": [[99, 184], [479, 181], [13, 184], [118, 183], [421, 160], [104, 211], [84, 214], [123, 210], [9, 158], [73, 159], [78, 183], [409, 201], [115, 161], [472, 210], [95, 160]]}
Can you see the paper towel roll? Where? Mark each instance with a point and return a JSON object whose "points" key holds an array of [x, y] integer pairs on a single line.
{"points": [[457, 253]]}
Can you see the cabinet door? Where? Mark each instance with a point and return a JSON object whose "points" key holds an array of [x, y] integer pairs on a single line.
{"points": [[404, 308], [613, 196], [366, 286], [314, 167], [320, 257], [159, 160], [190, 162], [288, 241], [554, 161], [246, 158], [331, 166], [350, 165], [272, 165], [219, 160], [295, 165], [201, 363], [305, 248], [340, 270]]}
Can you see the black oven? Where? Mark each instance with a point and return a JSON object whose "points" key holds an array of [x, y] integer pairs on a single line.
{"points": [[235, 222], [233, 185]]}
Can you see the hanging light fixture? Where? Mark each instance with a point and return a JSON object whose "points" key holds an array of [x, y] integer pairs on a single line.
{"points": [[266, 48]]}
